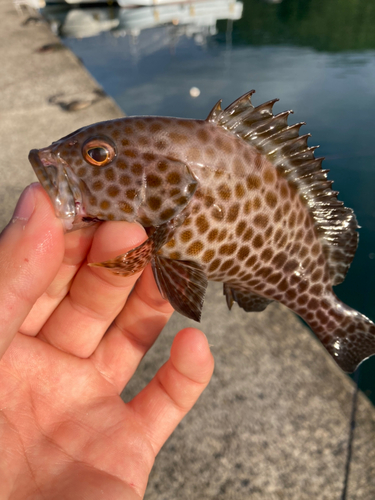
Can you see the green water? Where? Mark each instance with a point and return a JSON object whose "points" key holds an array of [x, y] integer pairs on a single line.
{"points": [[317, 56]]}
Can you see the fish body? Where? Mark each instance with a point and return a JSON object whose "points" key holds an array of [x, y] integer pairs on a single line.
{"points": [[238, 198]]}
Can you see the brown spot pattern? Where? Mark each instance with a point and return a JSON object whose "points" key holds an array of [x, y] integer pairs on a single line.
{"points": [[244, 225]]}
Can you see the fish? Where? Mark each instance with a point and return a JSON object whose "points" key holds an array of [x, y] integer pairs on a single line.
{"points": [[238, 198]]}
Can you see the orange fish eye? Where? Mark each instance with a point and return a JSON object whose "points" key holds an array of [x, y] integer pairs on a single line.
{"points": [[98, 152]]}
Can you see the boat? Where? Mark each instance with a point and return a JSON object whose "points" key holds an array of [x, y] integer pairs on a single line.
{"points": [[196, 17]]}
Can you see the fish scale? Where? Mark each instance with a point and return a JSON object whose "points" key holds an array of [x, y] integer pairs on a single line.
{"points": [[238, 198]]}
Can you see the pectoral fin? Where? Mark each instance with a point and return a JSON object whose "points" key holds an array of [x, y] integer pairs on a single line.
{"points": [[183, 283], [130, 262], [136, 259], [249, 301]]}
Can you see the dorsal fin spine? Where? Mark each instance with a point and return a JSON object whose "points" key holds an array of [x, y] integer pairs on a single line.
{"points": [[287, 133], [300, 156], [266, 107], [215, 112], [279, 124], [246, 98]]}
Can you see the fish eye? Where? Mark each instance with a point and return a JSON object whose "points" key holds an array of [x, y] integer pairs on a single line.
{"points": [[99, 155], [98, 152]]}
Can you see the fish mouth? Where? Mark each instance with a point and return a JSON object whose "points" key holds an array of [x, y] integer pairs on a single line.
{"points": [[53, 173]]}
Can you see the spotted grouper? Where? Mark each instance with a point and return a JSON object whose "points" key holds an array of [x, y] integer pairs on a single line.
{"points": [[238, 198]]}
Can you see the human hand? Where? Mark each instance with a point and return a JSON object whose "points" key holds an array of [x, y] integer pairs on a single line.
{"points": [[71, 337]]}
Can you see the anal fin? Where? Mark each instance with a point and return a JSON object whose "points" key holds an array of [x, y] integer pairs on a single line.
{"points": [[248, 301], [182, 283]]}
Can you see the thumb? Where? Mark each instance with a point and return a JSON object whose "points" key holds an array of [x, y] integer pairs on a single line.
{"points": [[31, 251]]}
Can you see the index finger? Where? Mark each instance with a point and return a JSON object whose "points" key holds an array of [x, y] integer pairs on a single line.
{"points": [[76, 244]]}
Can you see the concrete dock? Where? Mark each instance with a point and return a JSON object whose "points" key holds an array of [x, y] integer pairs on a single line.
{"points": [[274, 422]]}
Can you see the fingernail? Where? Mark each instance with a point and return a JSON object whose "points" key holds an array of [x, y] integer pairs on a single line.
{"points": [[25, 206]]}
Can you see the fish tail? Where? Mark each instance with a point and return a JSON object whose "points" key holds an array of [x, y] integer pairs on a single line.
{"points": [[348, 335]]}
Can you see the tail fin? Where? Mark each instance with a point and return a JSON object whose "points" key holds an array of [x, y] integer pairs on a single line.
{"points": [[348, 335]]}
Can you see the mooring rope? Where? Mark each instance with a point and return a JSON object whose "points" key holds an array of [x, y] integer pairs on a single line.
{"points": [[351, 435]]}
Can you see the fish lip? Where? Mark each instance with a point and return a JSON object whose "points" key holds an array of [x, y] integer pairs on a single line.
{"points": [[55, 180]]}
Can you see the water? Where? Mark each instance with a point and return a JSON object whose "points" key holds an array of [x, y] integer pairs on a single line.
{"points": [[317, 57]]}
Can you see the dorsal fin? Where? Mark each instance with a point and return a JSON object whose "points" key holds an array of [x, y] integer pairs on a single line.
{"points": [[288, 151]]}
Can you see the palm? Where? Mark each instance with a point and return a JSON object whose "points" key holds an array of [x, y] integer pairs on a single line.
{"points": [[65, 431], [76, 424]]}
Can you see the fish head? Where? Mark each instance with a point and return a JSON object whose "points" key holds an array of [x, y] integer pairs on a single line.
{"points": [[101, 172], [68, 170]]}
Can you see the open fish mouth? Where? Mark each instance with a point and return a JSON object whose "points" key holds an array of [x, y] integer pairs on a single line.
{"points": [[57, 179]]}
